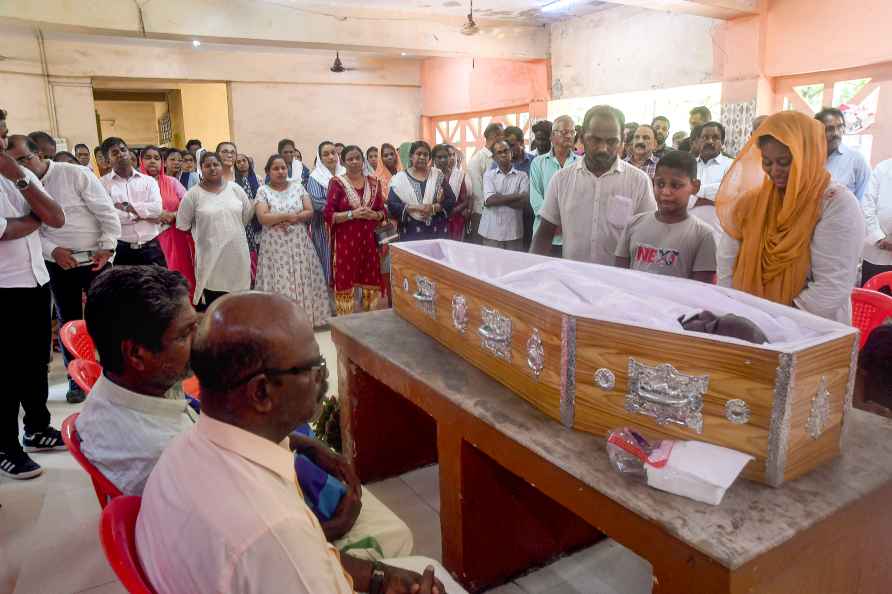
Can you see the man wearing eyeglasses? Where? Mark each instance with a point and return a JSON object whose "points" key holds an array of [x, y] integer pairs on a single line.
{"points": [[546, 165], [221, 511], [846, 165], [142, 324]]}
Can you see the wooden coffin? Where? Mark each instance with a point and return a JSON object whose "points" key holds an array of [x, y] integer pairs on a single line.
{"points": [[783, 402]]}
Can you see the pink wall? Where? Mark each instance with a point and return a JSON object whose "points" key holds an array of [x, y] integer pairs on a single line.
{"points": [[459, 85], [817, 35]]}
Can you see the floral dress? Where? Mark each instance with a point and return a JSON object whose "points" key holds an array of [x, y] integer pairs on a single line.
{"points": [[288, 263]]}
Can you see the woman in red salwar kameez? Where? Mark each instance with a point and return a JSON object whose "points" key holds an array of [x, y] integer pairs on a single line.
{"points": [[353, 210]]}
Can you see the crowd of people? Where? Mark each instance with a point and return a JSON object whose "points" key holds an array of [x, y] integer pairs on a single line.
{"points": [[155, 236]]}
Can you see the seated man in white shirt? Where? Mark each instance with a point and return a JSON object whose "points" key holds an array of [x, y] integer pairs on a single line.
{"points": [[261, 375], [711, 168], [81, 249], [142, 323], [506, 193]]}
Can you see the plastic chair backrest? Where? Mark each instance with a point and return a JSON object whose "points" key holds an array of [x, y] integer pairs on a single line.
{"points": [[877, 282], [117, 532], [869, 310], [105, 490], [77, 340], [192, 387], [84, 373]]}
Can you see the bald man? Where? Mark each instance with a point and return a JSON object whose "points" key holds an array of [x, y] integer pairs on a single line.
{"points": [[219, 512], [757, 121]]}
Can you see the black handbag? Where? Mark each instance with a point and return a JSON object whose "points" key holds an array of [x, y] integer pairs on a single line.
{"points": [[387, 233]]}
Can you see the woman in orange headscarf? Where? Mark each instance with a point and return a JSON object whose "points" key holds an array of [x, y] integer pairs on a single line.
{"points": [[388, 165], [792, 235]]}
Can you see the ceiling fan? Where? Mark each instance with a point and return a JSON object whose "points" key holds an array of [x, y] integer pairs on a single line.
{"points": [[337, 66], [470, 27]]}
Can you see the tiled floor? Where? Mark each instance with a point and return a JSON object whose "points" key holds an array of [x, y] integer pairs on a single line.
{"points": [[49, 541]]}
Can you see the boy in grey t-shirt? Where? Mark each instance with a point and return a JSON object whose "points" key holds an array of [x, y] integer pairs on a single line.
{"points": [[670, 241]]}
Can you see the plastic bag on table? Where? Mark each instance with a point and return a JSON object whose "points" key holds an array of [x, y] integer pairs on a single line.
{"points": [[629, 451], [693, 469]]}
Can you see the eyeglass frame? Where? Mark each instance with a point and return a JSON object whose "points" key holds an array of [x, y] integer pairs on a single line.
{"points": [[320, 365]]}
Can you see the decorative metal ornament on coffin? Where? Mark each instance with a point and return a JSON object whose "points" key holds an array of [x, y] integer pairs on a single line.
{"points": [[426, 295], [495, 333], [535, 353], [738, 411], [605, 379], [667, 395], [460, 313], [820, 411]]}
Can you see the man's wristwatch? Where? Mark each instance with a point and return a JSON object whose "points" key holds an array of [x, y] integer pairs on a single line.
{"points": [[22, 183], [376, 585], [349, 215]]}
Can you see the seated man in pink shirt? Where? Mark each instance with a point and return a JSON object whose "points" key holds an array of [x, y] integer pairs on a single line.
{"points": [[219, 512]]}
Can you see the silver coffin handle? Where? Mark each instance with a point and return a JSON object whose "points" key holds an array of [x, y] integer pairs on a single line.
{"points": [[419, 296], [490, 333], [666, 394], [664, 400]]}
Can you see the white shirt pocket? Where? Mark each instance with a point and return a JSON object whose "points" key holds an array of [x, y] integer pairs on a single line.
{"points": [[619, 210]]}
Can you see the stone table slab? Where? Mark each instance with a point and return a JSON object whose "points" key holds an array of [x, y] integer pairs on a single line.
{"points": [[752, 518]]}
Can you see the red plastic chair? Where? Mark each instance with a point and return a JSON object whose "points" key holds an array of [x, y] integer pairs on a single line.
{"points": [[869, 310], [84, 373], [877, 282], [117, 532], [77, 340], [192, 387], [105, 490]]}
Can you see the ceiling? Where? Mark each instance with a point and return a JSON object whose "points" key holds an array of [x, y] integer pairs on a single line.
{"points": [[528, 11]]}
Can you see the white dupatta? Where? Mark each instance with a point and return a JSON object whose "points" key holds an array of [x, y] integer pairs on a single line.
{"points": [[457, 179], [321, 173], [433, 190]]}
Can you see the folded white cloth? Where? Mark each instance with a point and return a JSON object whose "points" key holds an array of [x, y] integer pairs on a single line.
{"points": [[697, 470]]}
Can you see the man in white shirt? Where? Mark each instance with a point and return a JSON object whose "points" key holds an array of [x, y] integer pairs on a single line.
{"points": [[136, 409], [479, 164], [82, 154], [846, 166], [25, 300], [46, 144], [261, 375], [593, 200], [877, 208], [142, 323], [81, 249], [711, 168], [506, 192], [138, 200]]}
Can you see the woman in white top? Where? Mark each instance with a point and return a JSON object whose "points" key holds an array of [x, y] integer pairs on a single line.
{"points": [[216, 212], [791, 234], [288, 263]]}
